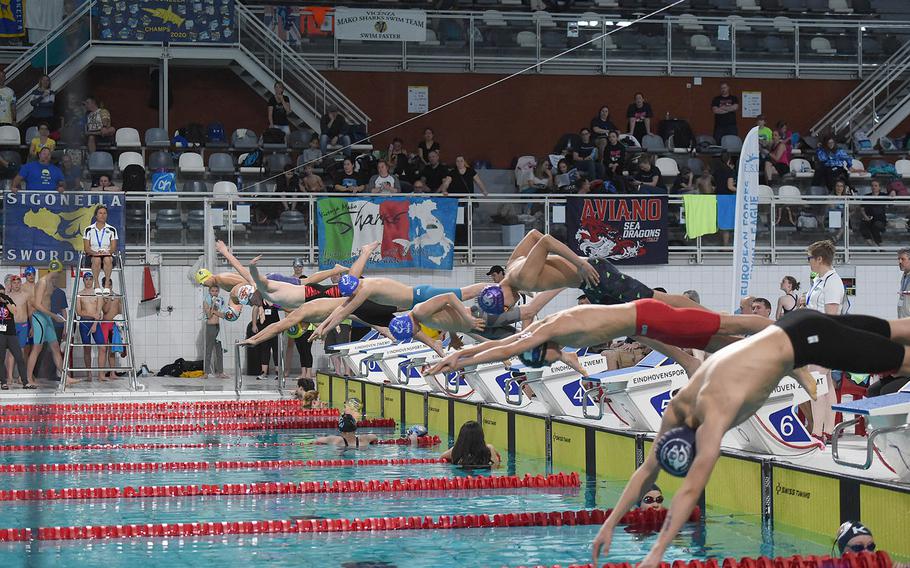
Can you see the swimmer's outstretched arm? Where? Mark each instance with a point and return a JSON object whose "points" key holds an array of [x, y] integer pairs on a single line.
{"points": [[525, 342], [276, 328], [454, 361], [689, 363], [424, 312], [530, 311], [339, 314], [221, 247], [318, 277]]}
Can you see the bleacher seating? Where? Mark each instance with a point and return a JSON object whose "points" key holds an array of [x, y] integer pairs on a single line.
{"points": [[127, 138], [101, 163], [157, 138], [190, 163]]}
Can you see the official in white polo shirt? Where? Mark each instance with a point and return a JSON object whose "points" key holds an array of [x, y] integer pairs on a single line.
{"points": [[100, 242]]}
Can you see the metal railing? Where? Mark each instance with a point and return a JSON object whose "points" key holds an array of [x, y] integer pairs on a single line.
{"points": [[665, 45], [172, 225]]}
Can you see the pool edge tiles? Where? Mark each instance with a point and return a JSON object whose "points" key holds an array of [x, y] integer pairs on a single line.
{"points": [[892, 534]]}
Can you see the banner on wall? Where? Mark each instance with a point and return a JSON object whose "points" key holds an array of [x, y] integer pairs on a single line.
{"points": [[380, 24], [415, 232], [12, 18], [40, 226], [205, 21], [746, 218], [623, 230]]}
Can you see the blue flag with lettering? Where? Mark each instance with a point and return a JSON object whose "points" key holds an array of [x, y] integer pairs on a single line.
{"points": [[12, 18]]}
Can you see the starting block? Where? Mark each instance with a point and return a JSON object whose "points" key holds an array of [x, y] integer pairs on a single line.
{"points": [[637, 395], [453, 385], [888, 424], [496, 384], [774, 428]]}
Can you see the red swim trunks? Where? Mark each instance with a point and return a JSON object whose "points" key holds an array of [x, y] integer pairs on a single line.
{"points": [[681, 327]]}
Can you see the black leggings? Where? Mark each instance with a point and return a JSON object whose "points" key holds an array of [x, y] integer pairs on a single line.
{"points": [[888, 385], [856, 344], [11, 342], [305, 349]]}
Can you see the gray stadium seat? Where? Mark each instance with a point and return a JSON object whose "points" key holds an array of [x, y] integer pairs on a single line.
{"points": [[157, 138], [653, 143], [244, 139], [732, 143], [277, 163], [221, 163], [161, 160], [169, 226], [195, 186], [100, 163], [300, 139]]}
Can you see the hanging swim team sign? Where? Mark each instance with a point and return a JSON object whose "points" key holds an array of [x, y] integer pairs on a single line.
{"points": [[623, 230], [380, 24], [40, 226], [207, 21], [415, 232]]}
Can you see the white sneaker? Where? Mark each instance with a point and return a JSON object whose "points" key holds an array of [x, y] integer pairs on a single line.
{"points": [[105, 291], [262, 377], [98, 291]]}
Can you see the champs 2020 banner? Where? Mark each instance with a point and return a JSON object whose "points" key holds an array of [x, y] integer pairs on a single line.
{"points": [[39, 226], [415, 232], [208, 21], [623, 230]]}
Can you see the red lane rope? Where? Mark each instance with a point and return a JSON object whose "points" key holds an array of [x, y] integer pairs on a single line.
{"points": [[163, 415], [302, 488], [878, 559], [153, 406], [299, 424], [201, 465], [424, 441], [548, 519]]}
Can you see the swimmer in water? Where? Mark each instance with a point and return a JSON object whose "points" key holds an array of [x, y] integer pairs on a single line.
{"points": [[734, 383], [588, 324], [471, 448], [541, 262], [348, 438]]}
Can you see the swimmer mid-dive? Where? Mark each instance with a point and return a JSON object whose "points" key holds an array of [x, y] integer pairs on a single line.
{"points": [[388, 292], [541, 262], [347, 428], [588, 324], [734, 383]]}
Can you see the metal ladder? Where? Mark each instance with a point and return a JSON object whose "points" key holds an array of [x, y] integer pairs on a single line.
{"points": [[75, 338]]}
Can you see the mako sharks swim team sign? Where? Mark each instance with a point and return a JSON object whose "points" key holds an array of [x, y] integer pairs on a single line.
{"points": [[414, 232], [40, 226], [210, 21], [384, 24]]}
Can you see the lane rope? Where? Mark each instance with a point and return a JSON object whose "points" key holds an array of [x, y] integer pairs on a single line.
{"points": [[203, 465], [878, 559], [299, 424]]}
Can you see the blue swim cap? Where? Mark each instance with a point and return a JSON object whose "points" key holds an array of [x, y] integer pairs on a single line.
{"points": [[418, 430], [492, 300], [402, 327], [29, 270], [347, 285], [346, 423], [676, 450], [535, 358]]}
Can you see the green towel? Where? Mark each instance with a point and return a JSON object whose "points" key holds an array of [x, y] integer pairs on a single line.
{"points": [[701, 215]]}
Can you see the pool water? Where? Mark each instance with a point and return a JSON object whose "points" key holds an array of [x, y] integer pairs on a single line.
{"points": [[719, 536]]}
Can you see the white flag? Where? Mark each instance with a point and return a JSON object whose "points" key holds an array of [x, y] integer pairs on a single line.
{"points": [[746, 218]]}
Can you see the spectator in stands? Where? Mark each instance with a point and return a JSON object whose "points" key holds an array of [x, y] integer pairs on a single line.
{"points": [[43, 99], [72, 126], [7, 102], [704, 185], [398, 157], [789, 300], [312, 154], [601, 125], [310, 181], [384, 181], [585, 158], [346, 180], [614, 157], [777, 161], [72, 174], [290, 182], [105, 184], [434, 177], [841, 189], [725, 175], [831, 164], [761, 307], [639, 114], [653, 499], [684, 182], [279, 109], [464, 178], [582, 186], [333, 128], [764, 133], [873, 218], [427, 145], [43, 140], [724, 107], [784, 130], [40, 176], [855, 537], [98, 126], [565, 176], [646, 178]]}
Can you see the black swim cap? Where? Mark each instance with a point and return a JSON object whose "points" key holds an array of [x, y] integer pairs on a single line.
{"points": [[676, 450], [346, 423]]}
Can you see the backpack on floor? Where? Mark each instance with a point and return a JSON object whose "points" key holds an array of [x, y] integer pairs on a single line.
{"points": [[133, 178]]}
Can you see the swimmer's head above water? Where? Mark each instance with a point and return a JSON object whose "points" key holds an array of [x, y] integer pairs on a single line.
{"points": [[676, 450], [347, 424]]}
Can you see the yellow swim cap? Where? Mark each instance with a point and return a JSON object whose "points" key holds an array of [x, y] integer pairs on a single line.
{"points": [[55, 266], [202, 275]]}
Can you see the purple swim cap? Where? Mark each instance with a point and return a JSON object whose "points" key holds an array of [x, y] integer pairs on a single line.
{"points": [[492, 300]]}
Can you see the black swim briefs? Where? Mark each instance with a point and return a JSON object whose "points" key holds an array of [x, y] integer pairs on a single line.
{"points": [[614, 287]]}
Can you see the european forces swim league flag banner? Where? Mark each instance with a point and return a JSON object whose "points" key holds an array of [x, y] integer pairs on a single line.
{"points": [[39, 226], [415, 232], [12, 18], [383, 24], [207, 21], [623, 230], [746, 218]]}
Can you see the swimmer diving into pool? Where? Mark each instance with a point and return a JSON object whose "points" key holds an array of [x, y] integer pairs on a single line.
{"points": [[541, 262], [734, 383], [315, 311], [588, 324]]}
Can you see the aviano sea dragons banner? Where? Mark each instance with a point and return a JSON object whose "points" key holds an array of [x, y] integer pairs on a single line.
{"points": [[623, 230], [39, 226]]}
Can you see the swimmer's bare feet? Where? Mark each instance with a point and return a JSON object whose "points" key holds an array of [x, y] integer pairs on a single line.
{"points": [[256, 260], [72, 381], [369, 247]]}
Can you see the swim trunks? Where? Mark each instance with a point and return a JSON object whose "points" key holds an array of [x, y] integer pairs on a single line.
{"points": [[22, 334], [43, 327], [425, 292], [687, 328], [852, 343], [614, 287], [316, 291], [85, 330], [375, 314]]}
